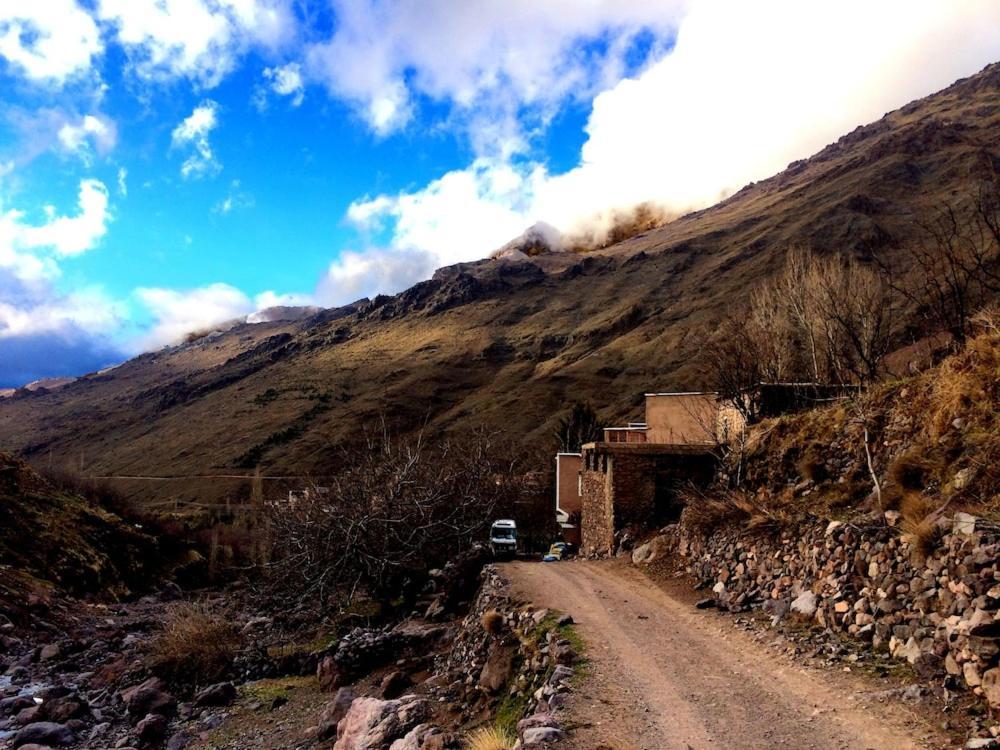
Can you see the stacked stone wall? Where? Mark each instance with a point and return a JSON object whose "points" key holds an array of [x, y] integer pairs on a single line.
{"points": [[596, 518], [939, 612]]}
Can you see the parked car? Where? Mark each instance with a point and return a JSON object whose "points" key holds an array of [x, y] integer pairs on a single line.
{"points": [[503, 538], [556, 552]]}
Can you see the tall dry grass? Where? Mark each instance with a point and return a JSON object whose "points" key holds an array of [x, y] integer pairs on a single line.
{"points": [[194, 647], [490, 738]]}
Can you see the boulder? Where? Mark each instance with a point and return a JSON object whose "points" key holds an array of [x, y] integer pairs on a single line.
{"points": [[334, 711], [221, 694], [651, 551], [328, 674], [44, 733], [10, 706], [425, 737], [152, 729], [149, 697], [964, 523], [498, 669], [991, 686], [536, 720], [539, 735], [61, 710], [394, 684], [805, 604], [372, 723]]}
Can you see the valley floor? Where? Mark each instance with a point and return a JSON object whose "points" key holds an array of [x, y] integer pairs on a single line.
{"points": [[663, 675]]}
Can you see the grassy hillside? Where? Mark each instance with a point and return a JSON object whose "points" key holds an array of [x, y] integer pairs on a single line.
{"points": [[505, 344], [61, 538], [934, 441]]}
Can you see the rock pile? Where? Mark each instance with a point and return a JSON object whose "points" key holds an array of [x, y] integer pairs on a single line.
{"points": [[939, 612], [521, 662], [364, 650]]}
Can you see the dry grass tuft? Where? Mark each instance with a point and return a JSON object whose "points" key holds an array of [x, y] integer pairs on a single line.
{"points": [[705, 513], [493, 622], [919, 523], [489, 738], [914, 470], [195, 646]]}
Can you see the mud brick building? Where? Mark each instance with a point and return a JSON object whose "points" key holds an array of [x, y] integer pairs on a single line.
{"points": [[634, 475], [635, 483], [568, 506]]}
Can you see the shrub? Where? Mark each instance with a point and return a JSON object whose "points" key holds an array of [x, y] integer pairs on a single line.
{"points": [[705, 513], [490, 738], [913, 470], [493, 622], [194, 647], [918, 522]]}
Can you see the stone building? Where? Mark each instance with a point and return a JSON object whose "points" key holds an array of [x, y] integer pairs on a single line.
{"points": [[622, 484], [634, 475]]}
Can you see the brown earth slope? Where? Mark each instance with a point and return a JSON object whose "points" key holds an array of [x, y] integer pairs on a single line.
{"points": [[502, 343], [56, 536]]}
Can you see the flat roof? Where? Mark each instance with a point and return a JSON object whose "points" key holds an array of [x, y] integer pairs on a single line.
{"points": [[683, 393], [568, 453], [654, 448]]}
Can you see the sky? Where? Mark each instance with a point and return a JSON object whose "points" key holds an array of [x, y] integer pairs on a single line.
{"points": [[167, 165]]}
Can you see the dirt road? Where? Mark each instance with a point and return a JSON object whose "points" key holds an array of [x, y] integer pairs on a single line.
{"points": [[663, 675]]}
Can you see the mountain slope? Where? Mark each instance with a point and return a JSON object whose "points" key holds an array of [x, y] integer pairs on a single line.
{"points": [[60, 537], [505, 343]]}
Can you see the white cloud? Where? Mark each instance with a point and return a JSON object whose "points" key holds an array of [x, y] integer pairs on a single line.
{"points": [[378, 271], [503, 56], [193, 133], [48, 40], [748, 88], [25, 244], [199, 39], [267, 299], [89, 134], [122, 182], [236, 198], [45, 331], [284, 81], [177, 313], [88, 309]]}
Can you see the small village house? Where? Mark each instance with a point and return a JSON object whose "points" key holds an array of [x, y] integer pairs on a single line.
{"points": [[633, 475], [568, 504]]}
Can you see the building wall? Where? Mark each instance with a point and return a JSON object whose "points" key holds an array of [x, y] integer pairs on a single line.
{"points": [[597, 518], [681, 418], [568, 482], [624, 486]]}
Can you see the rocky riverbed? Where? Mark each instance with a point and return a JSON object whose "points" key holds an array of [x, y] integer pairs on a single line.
{"points": [[421, 683]]}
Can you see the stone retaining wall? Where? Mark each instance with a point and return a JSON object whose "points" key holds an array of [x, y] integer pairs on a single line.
{"points": [[941, 614], [520, 667]]}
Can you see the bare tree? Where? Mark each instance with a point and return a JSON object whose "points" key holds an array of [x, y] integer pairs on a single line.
{"points": [[822, 319], [577, 428], [400, 507], [955, 267], [858, 311]]}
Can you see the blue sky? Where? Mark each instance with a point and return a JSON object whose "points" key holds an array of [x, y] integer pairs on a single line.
{"points": [[168, 165]]}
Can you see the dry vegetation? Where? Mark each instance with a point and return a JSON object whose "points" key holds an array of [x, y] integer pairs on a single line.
{"points": [[934, 440], [493, 622], [490, 738], [195, 646], [398, 508]]}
